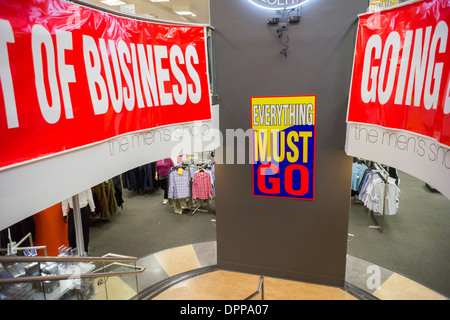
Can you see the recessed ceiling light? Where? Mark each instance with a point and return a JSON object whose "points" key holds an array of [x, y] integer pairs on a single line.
{"points": [[184, 13], [113, 2], [183, 10]]}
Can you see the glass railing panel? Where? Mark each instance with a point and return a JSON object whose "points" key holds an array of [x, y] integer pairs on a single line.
{"points": [[72, 288], [121, 287], [67, 279]]}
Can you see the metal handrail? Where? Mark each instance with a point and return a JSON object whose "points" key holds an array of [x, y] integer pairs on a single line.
{"points": [[71, 276], [107, 258], [259, 289]]}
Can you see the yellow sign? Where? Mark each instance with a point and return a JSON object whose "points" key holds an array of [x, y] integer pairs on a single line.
{"points": [[279, 113]]}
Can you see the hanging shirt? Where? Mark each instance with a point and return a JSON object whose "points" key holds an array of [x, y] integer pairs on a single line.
{"points": [[202, 185], [392, 197], [179, 185], [365, 186], [193, 170], [213, 179], [84, 198], [358, 170], [212, 175], [375, 195]]}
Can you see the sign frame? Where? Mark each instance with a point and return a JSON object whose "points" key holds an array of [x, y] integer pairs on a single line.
{"points": [[293, 172]]}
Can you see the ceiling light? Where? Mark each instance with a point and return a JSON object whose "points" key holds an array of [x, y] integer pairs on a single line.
{"points": [[113, 2], [184, 13], [183, 10]]}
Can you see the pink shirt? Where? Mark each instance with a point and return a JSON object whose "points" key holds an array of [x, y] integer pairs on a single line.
{"points": [[163, 167]]}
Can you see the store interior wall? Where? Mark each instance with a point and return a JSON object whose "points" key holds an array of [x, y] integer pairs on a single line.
{"points": [[294, 239]]}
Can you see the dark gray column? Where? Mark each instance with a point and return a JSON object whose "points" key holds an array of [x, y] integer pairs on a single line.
{"points": [[293, 239]]}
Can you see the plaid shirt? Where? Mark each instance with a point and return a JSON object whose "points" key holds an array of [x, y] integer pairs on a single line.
{"points": [[201, 185], [179, 185]]}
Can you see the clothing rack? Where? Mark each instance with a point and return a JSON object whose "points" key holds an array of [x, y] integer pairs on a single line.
{"points": [[200, 164], [372, 215], [383, 197], [187, 165]]}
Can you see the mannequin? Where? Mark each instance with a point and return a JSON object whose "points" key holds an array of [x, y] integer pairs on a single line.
{"points": [[162, 171], [86, 202]]}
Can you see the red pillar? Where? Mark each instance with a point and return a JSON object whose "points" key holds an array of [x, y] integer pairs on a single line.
{"points": [[51, 231]]}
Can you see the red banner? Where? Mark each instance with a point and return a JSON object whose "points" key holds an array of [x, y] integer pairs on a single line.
{"points": [[72, 76], [401, 70]]}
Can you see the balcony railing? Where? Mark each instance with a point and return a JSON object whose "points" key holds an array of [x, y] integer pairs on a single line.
{"points": [[111, 277], [259, 289]]}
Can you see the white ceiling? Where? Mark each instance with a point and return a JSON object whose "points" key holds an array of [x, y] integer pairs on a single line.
{"points": [[164, 10]]}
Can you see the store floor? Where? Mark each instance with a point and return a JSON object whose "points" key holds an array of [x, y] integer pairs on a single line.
{"points": [[145, 226], [190, 273], [414, 243]]}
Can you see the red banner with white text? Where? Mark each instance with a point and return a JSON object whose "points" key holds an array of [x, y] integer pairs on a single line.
{"points": [[401, 70], [399, 103], [71, 76]]}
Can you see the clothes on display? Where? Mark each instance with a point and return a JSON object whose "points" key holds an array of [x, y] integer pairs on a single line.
{"points": [[376, 186], [202, 185], [358, 170], [162, 172], [179, 183], [179, 188], [85, 198], [380, 194], [179, 205], [105, 199], [163, 167], [190, 185], [85, 202], [85, 220], [118, 191], [140, 179]]}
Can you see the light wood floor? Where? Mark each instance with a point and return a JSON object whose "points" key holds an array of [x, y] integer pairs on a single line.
{"points": [[227, 285]]}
